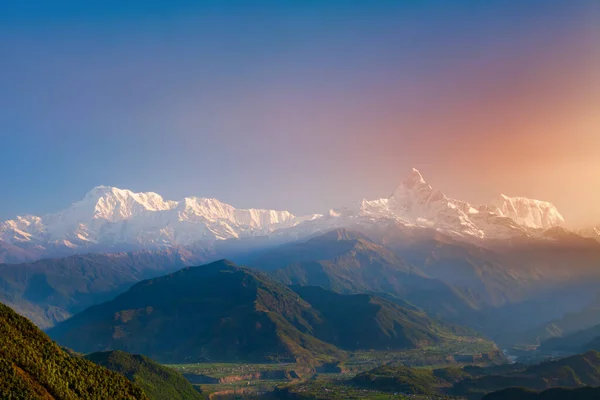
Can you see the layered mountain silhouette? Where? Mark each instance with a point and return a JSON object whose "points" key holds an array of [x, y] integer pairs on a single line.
{"points": [[51, 290], [489, 289], [224, 312], [349, 262]]}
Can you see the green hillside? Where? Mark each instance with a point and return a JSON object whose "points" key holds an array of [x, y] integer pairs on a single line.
{"points": [[221, 312], [370, 322], [215, 312], [33, 367], [158, 382]]}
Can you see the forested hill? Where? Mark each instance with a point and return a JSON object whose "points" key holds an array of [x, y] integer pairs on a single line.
{"points": [[33, 367], [158, 382]]}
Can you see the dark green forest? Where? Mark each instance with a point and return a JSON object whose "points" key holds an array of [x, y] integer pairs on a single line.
{"points": [[33, 367]]}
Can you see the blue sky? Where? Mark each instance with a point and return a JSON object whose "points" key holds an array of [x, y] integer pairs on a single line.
{"points": [[288, 104]]}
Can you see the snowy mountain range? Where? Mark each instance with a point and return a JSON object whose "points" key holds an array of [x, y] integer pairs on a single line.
{"points": [[109, 218], [415, 203], [112, 216]]}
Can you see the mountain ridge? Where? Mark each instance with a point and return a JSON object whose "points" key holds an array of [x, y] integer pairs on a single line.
{"points": [[113, 219]]}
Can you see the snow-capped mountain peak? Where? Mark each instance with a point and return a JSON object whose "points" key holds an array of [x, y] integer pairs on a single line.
{"points": [[108, 216], [415, 196], [528, 212], [114, 204], [414, 179], [416, 203]]}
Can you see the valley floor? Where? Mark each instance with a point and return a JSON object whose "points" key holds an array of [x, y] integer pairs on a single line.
{"points": [[328, 381]]}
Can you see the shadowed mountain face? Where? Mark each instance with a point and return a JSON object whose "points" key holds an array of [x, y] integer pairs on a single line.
{"points": [[50, 291], [223, 312], [158, 382], [34, 367]]}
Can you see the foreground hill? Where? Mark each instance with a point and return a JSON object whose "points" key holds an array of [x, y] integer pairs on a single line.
{"points": [[33, 367], [223, 312], [158, 382], [49, 291]]}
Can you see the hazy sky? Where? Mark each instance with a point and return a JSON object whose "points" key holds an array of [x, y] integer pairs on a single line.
{"points": [[303, 105]]}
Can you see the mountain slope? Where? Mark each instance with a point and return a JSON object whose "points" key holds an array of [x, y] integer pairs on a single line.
{"points": [[457, 281], [214, 312], [363, 321], [531, 281], [158, 382], [484, 271], [51, 290], [223, 312], [33, 367]]}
